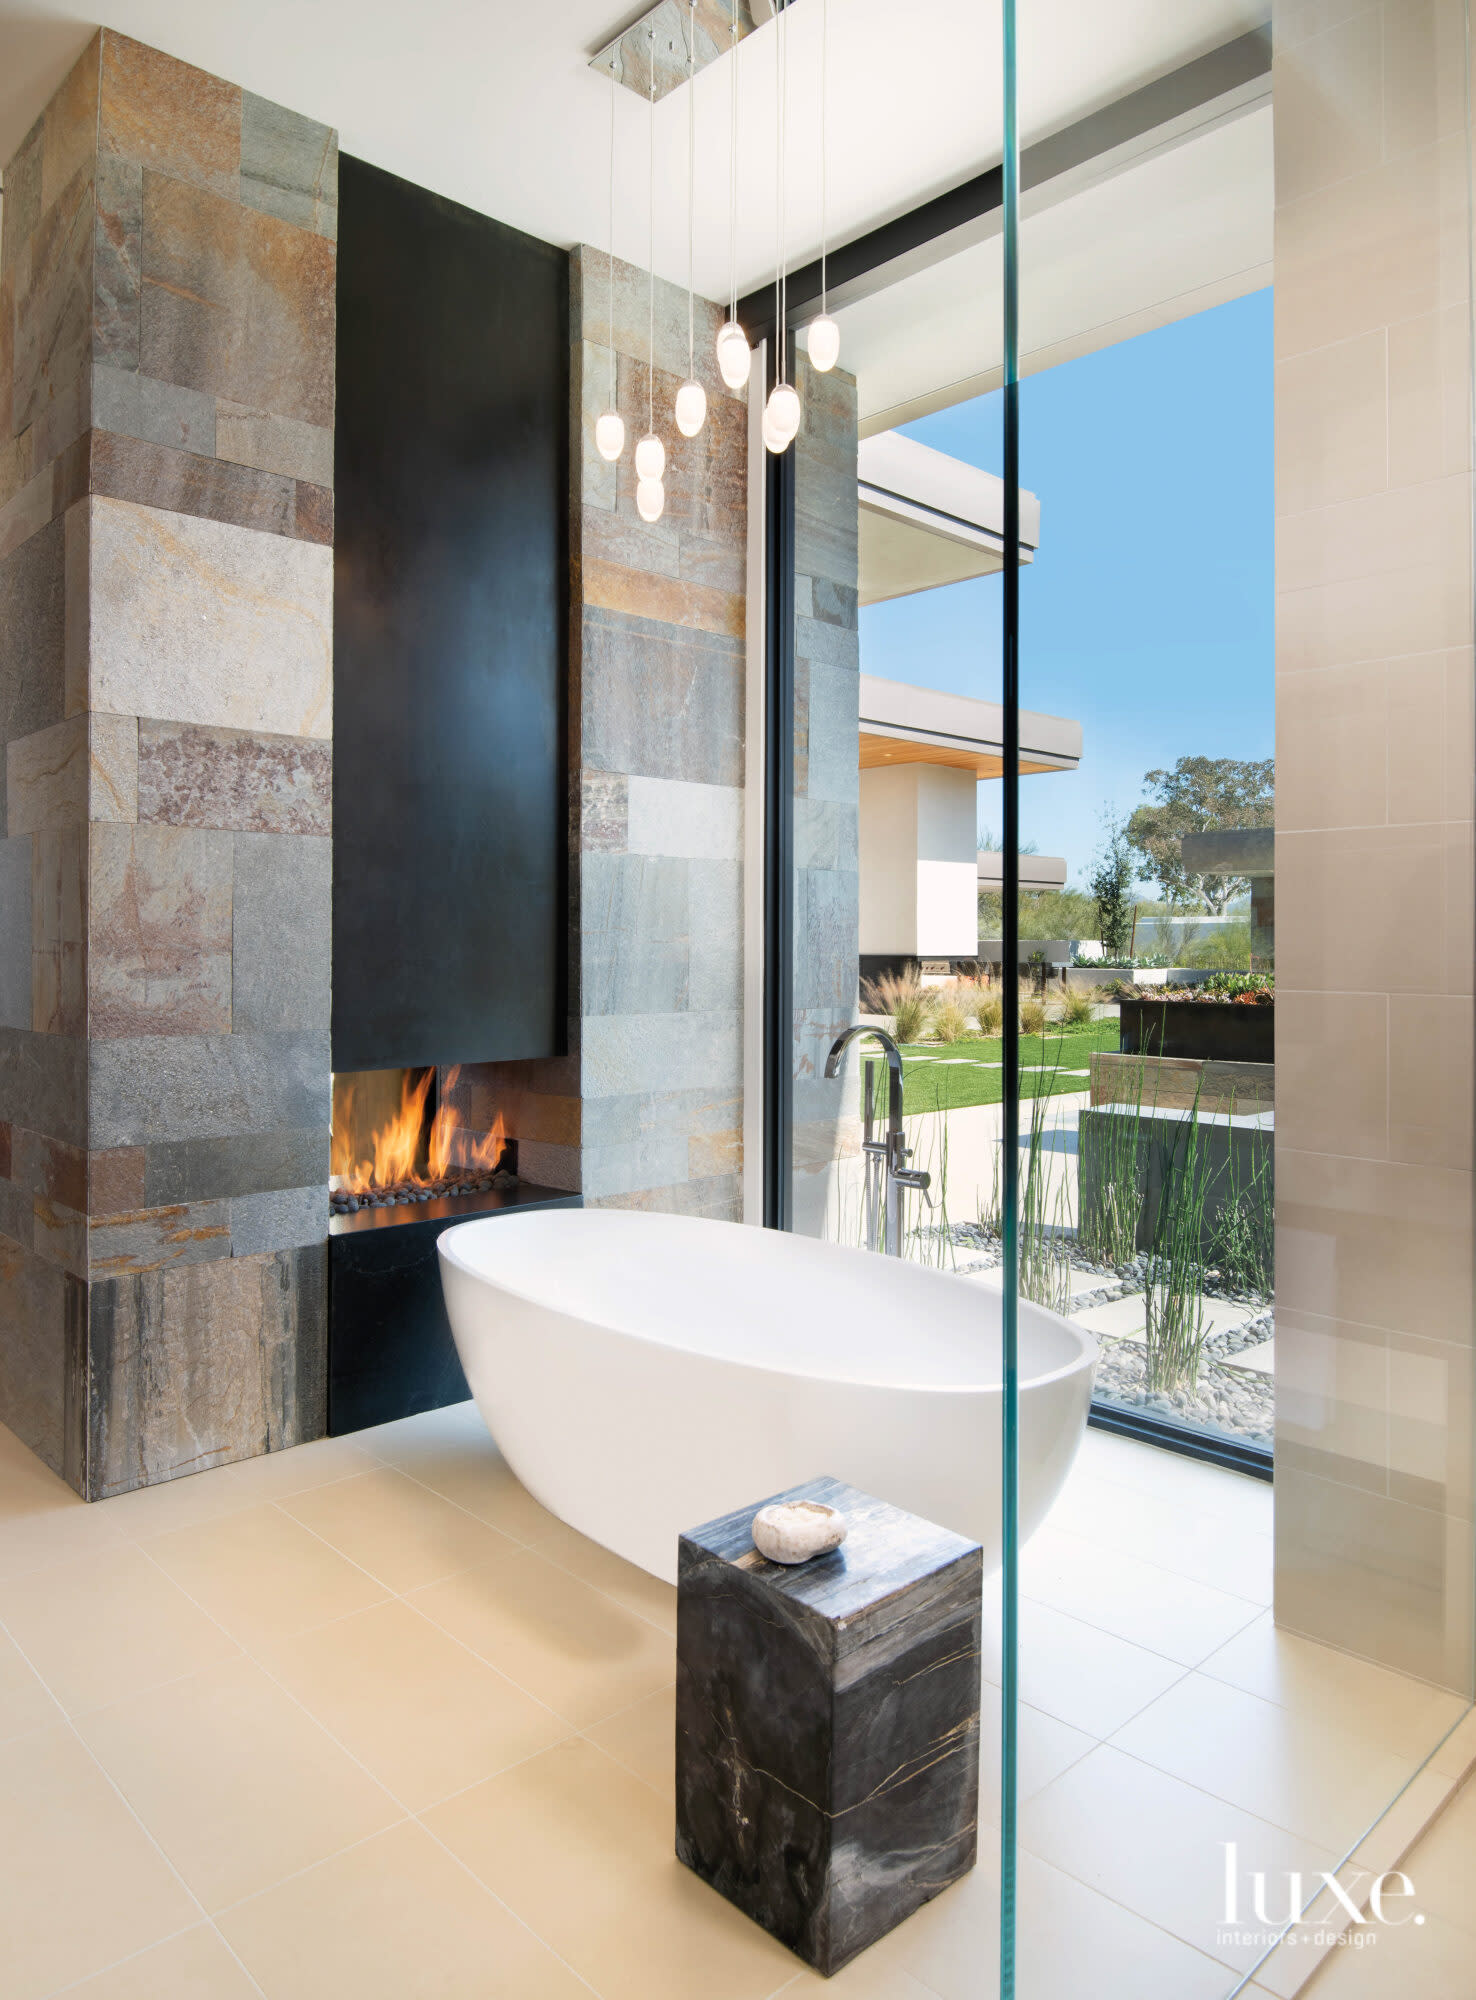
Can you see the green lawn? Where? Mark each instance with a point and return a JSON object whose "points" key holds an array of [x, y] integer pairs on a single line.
{"points": [[951, 1076]]}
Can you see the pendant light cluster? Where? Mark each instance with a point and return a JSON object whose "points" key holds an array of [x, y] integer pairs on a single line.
{"points": [[783, 412]]}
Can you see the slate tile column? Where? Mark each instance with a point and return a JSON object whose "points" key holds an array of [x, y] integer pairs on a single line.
{"points": [[645, 1111], [827, 755], [167, 288]]}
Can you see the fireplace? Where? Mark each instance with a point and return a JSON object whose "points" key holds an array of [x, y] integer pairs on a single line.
{"points": [[413, 1151], [400, 1140]]}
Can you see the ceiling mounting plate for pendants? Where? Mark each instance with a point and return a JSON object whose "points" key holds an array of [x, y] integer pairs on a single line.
{"points": [[629, 56]]}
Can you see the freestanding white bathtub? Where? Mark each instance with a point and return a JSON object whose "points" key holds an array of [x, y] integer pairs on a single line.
{"points": [[645, 1373]]}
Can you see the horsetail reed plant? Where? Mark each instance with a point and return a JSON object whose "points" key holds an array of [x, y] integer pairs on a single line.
{"points": [[1173, 1295], [1112, 1196], [1245, 1237], [1045, 1217], [1045, 1258]]}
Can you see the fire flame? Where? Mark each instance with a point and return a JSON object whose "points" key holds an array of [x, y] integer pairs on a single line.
{"points": [[453, 1148]]}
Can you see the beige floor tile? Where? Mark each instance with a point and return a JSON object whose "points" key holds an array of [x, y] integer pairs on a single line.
{"points": [[637, 1589], [1417, 1809], [1455, 1757], [42, 1521], [1156, 1845], [643, 1739], [1405, 1716], [197, 1965], [24, 1701], [1442, 1865], [394, 1919], [863, 1979], [1291, 1967], [581, 1850], [578, 1650], [1072, 1943], [1299, 1773], [1080, 1675], [1118, 1592], [1182, 1482], [1046, 1749], [262, 1574], [276, 1475], [1168, 1529], [81, 1883], [418, 1710], [228, 1489], [398, 1530], [451, 1452], [178, 1503], [238, 1786], [1429, 1961], [107, 1626]]}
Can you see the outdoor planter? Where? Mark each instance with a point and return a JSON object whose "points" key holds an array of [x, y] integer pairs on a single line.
{"points": [[1228, 1031]]}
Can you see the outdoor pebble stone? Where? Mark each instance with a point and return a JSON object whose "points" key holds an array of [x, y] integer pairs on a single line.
{"points": [[1237, 1402]]}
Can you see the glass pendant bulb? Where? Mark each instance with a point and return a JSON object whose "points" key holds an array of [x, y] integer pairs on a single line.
{"points": [[691, 408], [823, 342], [650, 459], [781, 417], [650, 499], [734, 355], [610, 435]]}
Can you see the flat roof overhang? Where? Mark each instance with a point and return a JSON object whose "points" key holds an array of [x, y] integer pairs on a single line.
{"points": [[1241, 850], [901, 724], [927, 519], [1037, 871]]}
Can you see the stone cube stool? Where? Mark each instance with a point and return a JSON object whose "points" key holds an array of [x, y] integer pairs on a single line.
{"points": [[828, 1722]]}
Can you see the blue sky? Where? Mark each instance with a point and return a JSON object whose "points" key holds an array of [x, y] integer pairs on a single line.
{"points": [[1148, 613]]}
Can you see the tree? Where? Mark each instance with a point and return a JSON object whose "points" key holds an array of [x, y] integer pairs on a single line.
{"points": [[1200, 795], [1109, 883]]}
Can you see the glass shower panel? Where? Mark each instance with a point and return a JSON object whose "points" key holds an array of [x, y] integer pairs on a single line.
{"points": [[1244, 976], [1247, 1618]]}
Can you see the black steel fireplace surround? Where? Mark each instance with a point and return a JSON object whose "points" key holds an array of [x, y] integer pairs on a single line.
{"points": [[451, 580], [390, 1351]]}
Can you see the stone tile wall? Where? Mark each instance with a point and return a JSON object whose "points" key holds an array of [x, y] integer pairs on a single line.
{"points": [[646, 1109], [167, 288], [659, 639], [827, 752], [1374, 939]]}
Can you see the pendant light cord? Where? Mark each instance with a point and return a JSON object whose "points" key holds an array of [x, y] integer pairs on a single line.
{"points": [[781, 282], [691, 173], [651, 241], [824, 146], [610, 238], [733, 161]]}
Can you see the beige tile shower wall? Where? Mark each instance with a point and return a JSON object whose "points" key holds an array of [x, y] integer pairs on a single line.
{"points": [[167, 280], [1374, 1546]]}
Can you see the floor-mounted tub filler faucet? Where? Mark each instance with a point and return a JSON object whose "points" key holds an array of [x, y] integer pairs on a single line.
{"points": [[886, 1159]]}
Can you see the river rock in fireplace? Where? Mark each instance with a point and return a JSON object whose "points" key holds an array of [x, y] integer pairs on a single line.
{"points": [[408, 1193]]}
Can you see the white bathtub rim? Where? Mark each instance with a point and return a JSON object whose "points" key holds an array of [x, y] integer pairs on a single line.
{"points": [[1086, 1358]]}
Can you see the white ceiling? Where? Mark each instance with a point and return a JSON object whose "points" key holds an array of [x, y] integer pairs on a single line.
{"points": [[494, 106], [1183, 230]]}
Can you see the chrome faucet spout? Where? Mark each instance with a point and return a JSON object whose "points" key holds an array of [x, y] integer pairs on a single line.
{"points": [[894, 1068], [896, 1151]]}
